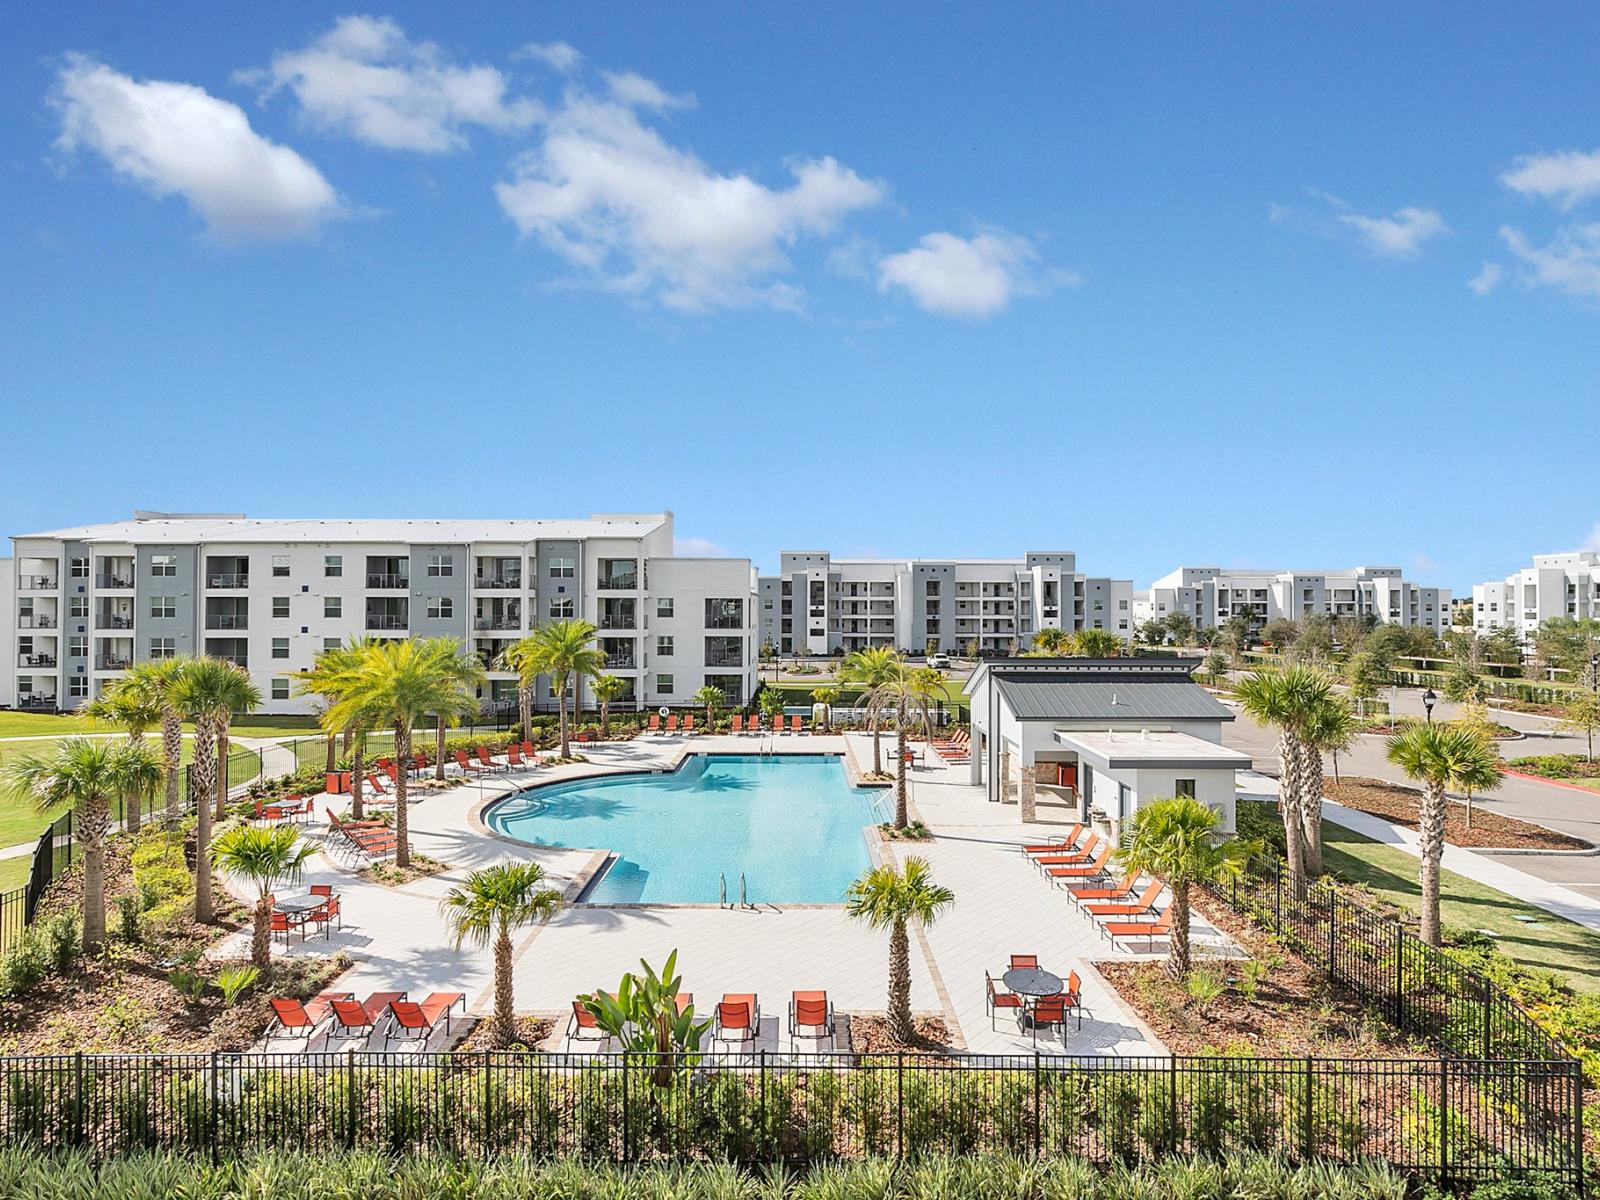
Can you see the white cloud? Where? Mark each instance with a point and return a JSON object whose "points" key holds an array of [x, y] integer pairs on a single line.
{"points": [[364, 78], [972, 278], [1570, 264], [177, 139], [697, 547], [1593, 543], [1485, 280], [1566, 178], [1424, 563], [633, 214], [1399, 236], [557, 55], [629, 87]]}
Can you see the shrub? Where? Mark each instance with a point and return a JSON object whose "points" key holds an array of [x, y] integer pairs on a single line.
{"points": [[232, 981], [128, 907], [26, 963], [191, 985], [62, 938]]}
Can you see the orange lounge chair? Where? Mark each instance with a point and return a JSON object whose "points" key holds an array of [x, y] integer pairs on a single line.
{"points": [[419, 762], [376, 785], [1148, 930], [688, 723], [390, 769], [529, 752], [1082, 854], [583, 1027], [995, 1000], [682, 1001], [514, 756], [738, 1019], [360, 1020], [810, 1010], [487, 760], [1092, 870], [738, 723], [461, 761], [410, 1020], [794, 723], [755, 723], [1144, 905], [1120, 890], [1055, 845], [655, 723], [291, 1016], [672, 723]]}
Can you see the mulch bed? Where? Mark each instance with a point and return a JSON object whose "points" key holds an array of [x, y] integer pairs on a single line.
{"points": [[531, 1033], [389, 875], [870, 1035], [1490, 830]]}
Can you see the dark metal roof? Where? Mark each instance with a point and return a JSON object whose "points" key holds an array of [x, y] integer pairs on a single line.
{"points": [[1125, 699]]}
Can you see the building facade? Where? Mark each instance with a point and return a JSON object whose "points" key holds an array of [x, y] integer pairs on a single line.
{"points": [[821, 605], [1556, 585], [1211, 595], [272, 594]]}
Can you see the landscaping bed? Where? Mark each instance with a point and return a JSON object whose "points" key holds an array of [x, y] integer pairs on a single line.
{"points": [[1561, 768], [870, 1035], [1489, 829]]}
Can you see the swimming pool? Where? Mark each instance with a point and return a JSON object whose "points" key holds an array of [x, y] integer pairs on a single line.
{"points": [[791, 823]]}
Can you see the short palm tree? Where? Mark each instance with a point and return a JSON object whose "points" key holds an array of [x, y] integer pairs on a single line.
{"points": [[485, 908], [208, 691], [893, 898], [1051, 642], [827, 697], [606, 689], [870, 668], [1175, 840], [85, 774], [265, 856], [401, 684], [1330, 727], [562, 650], [1096, 643], [906, 698], [1440, 757], [521, 656], [710, 698], [1285, 700], [129, 704]]}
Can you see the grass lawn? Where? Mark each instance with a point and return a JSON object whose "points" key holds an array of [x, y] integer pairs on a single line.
{"points": [[1547, 941], [14, 872], [27, 724]]}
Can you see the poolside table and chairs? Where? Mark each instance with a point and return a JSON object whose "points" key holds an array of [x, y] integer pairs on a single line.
{"points": [[1038, 997], [319, 906]]}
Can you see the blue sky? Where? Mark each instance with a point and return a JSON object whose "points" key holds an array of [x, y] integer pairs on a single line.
{"points": [[1247, 284]]}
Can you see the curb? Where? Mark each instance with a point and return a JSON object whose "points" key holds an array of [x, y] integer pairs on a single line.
{"points": [[1571, 787]]}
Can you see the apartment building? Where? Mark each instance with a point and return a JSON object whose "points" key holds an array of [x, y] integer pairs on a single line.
{"points": [[1556, 585], [1211, 595], [271, 594], [819, 605]]}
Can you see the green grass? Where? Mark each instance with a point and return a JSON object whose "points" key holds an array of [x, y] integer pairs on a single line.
{"points": [[800, 693], [25, 724], [14, 872], [1547, 942]]}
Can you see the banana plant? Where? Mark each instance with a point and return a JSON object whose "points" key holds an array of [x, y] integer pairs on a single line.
{"points": [[644, 1016]]}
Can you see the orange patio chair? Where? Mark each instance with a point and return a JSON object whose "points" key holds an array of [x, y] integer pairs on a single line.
{"points": [[654, 725], [461, 761], [1148, 930], [738, 723], [995, 1000], [376, 785], [1024, 962], [810, 1011], [1089, 870], [409, 1020], [672, 723], [1054, 845], [1145, 905], [582, 1026], [794, 723], [1120, 890], [487, 760], [1069, 857], [738, 1020], [688, 723]]}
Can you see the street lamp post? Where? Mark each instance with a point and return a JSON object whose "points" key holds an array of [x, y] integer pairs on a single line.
{"points": [[1428, 701], [1594, 673]]}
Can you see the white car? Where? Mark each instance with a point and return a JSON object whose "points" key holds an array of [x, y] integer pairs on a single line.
{"points": [[939, 661]]}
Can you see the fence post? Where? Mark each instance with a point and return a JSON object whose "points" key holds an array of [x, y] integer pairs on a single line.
{"points": [[1444, 1121], [79, 1101], [1308, 1131], [351, 1107], [627, 1142], [1038, 1108], [216, 1114], [899, 1104], [1172, 1104], [1575, 1070]]}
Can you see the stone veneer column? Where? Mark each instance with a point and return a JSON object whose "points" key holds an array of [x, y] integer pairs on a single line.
{"points": [[1028, 795], [1005, 775]]}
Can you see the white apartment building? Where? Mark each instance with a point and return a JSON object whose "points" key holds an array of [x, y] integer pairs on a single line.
{"points": [[821, 605], [1556, 585], [272, 594], [1210, 595]]}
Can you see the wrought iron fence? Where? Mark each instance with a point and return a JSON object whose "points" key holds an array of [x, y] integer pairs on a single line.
{"points": [[1417, 987], [1456, 1121]]}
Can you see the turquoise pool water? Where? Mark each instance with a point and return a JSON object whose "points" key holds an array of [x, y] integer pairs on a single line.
{"points": [[791, 823]]}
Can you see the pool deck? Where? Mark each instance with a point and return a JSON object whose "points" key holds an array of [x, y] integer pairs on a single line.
{"points": [[1003, 906]]}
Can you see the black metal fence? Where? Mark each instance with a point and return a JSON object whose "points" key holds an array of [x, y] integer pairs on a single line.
{"points": [[1418, 988], [52, 855], [1457, 1121]]}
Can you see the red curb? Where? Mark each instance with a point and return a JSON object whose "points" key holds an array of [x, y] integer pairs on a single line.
{"points": [[1571, 787]]}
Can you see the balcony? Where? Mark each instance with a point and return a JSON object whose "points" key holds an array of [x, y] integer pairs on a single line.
{"points": [[227, 621], [36, 621], [228, 579], [37, 701], [619, 662], [113, 621], [39, 583], [498, 582], [385, 621], [38, 660], [498, 623], [618, 583], [724, 660], [113, 581], [387, 581], [112, 662]]}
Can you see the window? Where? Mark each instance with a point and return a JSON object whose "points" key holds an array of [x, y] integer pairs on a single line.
{"points": [[280, 689], [78, 647], [78, 687], [78, 606], [330, 644], [280, 566], [663, 685], [441, 607], [333, 566], [333, 606], [550, 690], [165, 565], [724, 613], [162, 648], [933, 587], [663, 606], [1183, 787], [664, 647], [163, 606], [280, 647], [441, 565], [1124, 800], [78, 568], [562, 568], [280, 607], [561, 609]]}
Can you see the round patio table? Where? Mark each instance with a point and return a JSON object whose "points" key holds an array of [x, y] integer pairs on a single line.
{"points": [[298, 905], [1033, 981]]}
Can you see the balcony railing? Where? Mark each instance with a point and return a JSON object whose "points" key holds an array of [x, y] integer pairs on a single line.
{"points": [[509, 582], [619, 662], [36, 621], [33, 700], [109, 662], [388, 581], [385, 621], [39, 583], [227, 621], [618, 583], [113, 621], [617, 621], [499, 623], [724, 660], [38, 660], [237, 660], [113, 581], [228, 579]]}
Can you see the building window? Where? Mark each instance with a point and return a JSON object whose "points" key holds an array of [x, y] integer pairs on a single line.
{"points": [[280, 566], [663, 606], [724, 613], [162, 648], [441, 607], [563, 568], [550, 691], [1183, 787], [1124, 801], [280, 647], [78, 647], [933, 587], [280, 607], [561, 609], [78, 687], [333, 606], [663, 685], [280, 689], [330, 644], [441, 565], [163, 606], [164, 565], [333, 566], [78, 568], [78, 606], [664, 647]]}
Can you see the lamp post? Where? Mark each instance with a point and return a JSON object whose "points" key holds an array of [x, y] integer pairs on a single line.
{"points": [[1594, 672], [1428, 701]]}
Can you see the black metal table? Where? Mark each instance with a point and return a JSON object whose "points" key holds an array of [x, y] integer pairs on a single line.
{"points": [[1032, 983]]}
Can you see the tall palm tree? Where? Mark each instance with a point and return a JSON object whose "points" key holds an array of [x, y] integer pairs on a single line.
{"points": [[159, 678], [907, 698], [85, 774], [264, 856], [1286, 699], [402, 683], [1175, 840], [1440, 757], [889, 897], [522, 657], [207, 691], [130, 704], [1096, 643], [1330, 727], [562, 650], [484, 909], [469, 674], [607, 688], [1050, 642], [871, 667], [329, 677]]}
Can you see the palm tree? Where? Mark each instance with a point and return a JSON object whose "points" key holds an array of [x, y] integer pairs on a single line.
{"points": [[1175, 840], [485, 908], [158, 678], [85, 774], [329, 677], [264, 856], [711, 698], [1050, 642], [907, 697], [208, 690], [1329, 728], [1440, 757], [827, 697], [893, 898], [521, 656], [469, 674], [870, 668], [1285, 699], [562, 650], [1096, 643], [401, 683], [607, 688], [131, 704]]}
